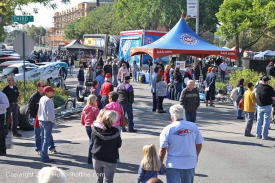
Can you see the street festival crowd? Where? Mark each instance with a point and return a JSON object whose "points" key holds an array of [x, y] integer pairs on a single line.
{"points": [[112, 97]]}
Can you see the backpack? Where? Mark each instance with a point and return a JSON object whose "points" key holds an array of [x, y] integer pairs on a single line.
{"points": [[234, 94]]}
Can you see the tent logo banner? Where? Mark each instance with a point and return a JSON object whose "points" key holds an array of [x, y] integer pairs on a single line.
{"points": [[188, 39]]}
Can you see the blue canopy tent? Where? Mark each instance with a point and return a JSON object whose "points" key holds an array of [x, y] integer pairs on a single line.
{"points": [[182, 40], [264, 54]]}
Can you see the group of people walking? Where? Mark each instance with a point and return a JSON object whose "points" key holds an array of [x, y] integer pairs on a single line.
{"points": [[251, 100]]}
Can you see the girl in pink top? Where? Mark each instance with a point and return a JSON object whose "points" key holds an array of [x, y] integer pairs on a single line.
{"points": [[122, 72], [114, 105], [88, 116]]}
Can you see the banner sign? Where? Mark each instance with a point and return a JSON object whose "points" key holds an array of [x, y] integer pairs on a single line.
{"points": [[181, 65], [96, 42], [192, 8]]}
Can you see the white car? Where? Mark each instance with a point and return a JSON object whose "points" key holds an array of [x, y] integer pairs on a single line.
{"points": [[35, 72]]}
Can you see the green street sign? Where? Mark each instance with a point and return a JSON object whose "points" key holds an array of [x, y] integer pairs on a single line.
{"points": [[22, 19]]}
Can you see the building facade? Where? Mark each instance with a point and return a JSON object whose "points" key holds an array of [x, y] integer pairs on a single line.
{"points": [[61, 19]]}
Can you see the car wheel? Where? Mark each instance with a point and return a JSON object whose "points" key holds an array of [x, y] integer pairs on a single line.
{"points": [[26, 122], [79, 96], [70, 104]]}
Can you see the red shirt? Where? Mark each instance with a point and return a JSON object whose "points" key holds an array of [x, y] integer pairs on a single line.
{"points": [[106, 88], [167, 76], [36, 123]]}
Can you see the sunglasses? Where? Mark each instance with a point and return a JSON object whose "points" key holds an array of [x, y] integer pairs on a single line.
{"points": [[43, 86]]}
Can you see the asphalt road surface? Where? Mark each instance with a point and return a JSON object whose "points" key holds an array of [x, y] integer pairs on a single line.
{"points": [[226, 157]]}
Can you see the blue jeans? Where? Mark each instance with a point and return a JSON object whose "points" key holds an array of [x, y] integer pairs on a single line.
{"points": [[263, 120], [81, 82], [180, 175], [46, 133], [115, 83], [104, 101], [99, 102], [89, 133], [71, 69], [38, 139], [178, 89], [222, 75], [155, 101], [191, 116], [128, 109], [134, 74]]}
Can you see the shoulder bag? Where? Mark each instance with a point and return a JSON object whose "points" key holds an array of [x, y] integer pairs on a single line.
{"points": [[123, 121]]}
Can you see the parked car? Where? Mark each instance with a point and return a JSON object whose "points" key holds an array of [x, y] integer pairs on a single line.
{"points": [[35, 72]]}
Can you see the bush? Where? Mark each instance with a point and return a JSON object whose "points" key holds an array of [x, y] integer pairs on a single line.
{"points": [[247, 74], [59, 99]]}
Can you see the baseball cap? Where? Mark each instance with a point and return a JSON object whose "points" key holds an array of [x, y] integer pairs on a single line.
{"points": [[271, 63], [266, 78], [108, 75], [127, 78], [48, 89]]}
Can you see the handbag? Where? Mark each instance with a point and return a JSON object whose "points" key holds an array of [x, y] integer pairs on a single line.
{"points": [[123, 121], [241, 104]]}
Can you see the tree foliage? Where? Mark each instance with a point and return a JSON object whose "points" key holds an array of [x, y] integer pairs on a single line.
{"points": [[36, 33], [164, 14], [246, 21], [12, 35]]}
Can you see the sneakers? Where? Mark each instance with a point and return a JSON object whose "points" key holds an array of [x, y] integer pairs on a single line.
{"points": [[16, 134], [124, 130], [49, 161], [250, 135], [161, 111], [133, 131], [38, 152], [211, 105], [53, 151]]}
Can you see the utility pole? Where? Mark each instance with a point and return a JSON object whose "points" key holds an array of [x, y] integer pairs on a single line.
{"points": [[198, 17], [97, 3]]}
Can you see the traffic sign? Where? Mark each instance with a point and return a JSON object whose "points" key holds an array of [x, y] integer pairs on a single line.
{"points": [[22, 19], [18, 45]]}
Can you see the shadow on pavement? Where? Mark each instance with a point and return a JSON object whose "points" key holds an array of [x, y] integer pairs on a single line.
{"points": [[127, 168], [236, 142]]}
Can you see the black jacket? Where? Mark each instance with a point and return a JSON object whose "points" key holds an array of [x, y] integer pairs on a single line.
{"points": [[190, 100], [106, 144], [12, 94], [107, 69], [80, 75], [270, 69], [264, 94], [34, 104], [177, 77]]}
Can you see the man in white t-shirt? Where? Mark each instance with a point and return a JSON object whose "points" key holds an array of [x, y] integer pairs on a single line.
{"points": [[223, 67], [183, 142]]}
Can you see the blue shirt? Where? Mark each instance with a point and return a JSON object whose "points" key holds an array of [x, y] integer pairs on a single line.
{"points": [[100, 81], [153, 83], [210, 80], [144, 175]]}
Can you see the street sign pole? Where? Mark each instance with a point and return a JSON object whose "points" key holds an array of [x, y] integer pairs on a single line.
{"points": [[23, 20], [24, 70]]}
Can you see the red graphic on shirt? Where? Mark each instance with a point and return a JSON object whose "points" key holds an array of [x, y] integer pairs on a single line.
{"points": [[182, 132]]}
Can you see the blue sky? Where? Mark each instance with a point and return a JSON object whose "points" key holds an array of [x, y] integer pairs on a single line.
{"points": [[44, 16]]}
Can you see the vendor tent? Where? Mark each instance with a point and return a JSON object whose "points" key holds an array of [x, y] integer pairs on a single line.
{"points": [[182, 40], [266, 53], [75, 45]]}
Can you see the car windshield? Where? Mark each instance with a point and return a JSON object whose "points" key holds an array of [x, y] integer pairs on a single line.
{"points": [[10, 70], [2, 68]]}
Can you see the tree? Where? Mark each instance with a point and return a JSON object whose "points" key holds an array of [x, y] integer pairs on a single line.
{"points": [[164, 14], [72, 30], [12, 35], [36, 33], [246, 21]]}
